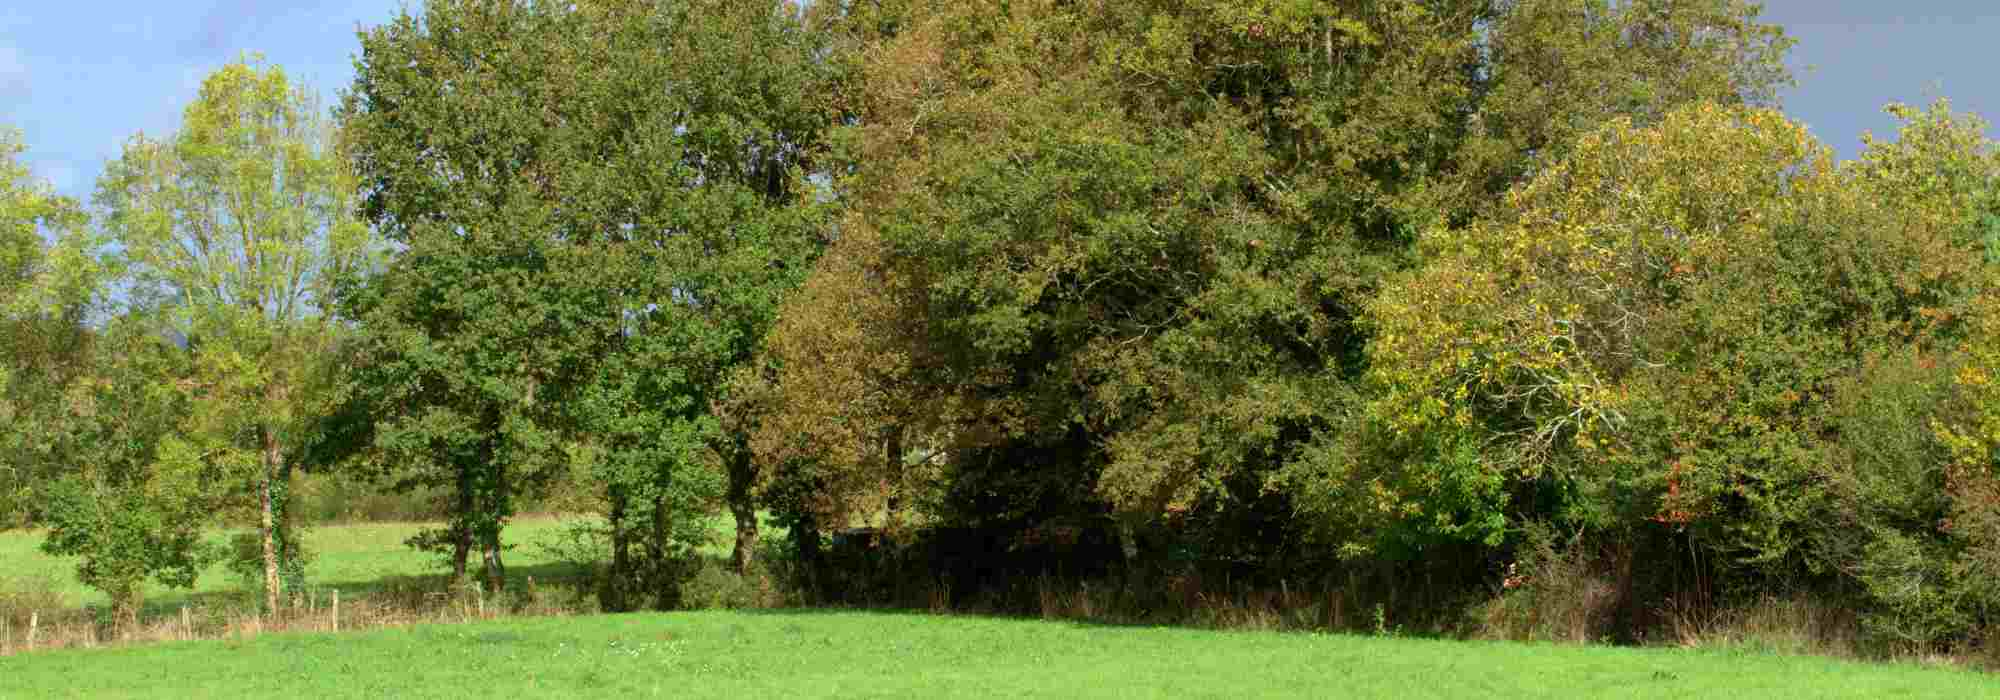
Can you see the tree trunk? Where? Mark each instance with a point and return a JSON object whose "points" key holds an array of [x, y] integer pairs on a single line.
{"points": [[461, 523], [892, 457], [461, 551], [289, 539], [1128, 542], [666, 589], [496, 514], [805, 534], [496, 570], [742, 476], [612, 595], [272, 458], [125, 603]]}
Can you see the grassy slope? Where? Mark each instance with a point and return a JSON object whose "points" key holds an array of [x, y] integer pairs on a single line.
{"points": [[854, 654]]}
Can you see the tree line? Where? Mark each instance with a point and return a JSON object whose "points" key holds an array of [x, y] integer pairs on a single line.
{"points": [[1290, 287]]}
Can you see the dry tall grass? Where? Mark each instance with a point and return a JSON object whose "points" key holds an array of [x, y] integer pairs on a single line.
{"points": [[35, 619]]}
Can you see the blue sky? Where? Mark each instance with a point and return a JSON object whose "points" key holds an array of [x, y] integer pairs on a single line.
{"points": [[80, 76], [1853, 56]]}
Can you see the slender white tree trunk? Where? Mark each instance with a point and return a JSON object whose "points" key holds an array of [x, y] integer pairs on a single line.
{"points": [[272, 460]]}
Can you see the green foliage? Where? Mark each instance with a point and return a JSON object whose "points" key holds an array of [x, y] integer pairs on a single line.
{"points": [[237, 228], [1560, 339], [1703, 326], [49, 287], [599, 207], [1125, 248], [1888, 498], [1287, 287], [135, 496], [716, 587], [246, 209], [33, 277]]}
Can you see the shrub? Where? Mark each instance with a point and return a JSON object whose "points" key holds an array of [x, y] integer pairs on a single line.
{"points": [[324, 498], [584, 544], [1554, 591], [713, 585]]}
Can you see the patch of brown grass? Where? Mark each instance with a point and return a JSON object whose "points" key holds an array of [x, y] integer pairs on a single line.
{"points": [[44, 623]]}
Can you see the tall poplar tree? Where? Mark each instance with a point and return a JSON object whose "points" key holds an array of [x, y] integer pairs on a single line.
{"points": [[235, 228]]}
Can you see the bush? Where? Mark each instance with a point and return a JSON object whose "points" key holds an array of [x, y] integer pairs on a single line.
{"points": [[583, 544], [714, 586], [1554, 591], [324, 498], [1885, 479]]}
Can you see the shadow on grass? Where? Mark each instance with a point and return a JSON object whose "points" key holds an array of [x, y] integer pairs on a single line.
{"points": [[1083, 623], [406, 586]]}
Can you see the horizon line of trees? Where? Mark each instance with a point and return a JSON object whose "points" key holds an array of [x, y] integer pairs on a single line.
{"points": [[1296, 287]]}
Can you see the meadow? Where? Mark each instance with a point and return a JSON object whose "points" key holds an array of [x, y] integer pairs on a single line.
{"points": [[355, 557], [382, 581], [827, 652], [870, 654]]}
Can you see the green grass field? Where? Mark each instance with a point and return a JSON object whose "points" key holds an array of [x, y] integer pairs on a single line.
{"points": [[353, 558], [348, 557], [862, 654], [857, 654]]}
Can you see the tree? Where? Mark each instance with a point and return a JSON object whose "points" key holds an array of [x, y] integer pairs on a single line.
{"points": [[237, 227], [1138, 237], [28, 207], [132, 497], [1701, 328], [1525, 339], [601, 205], [90, 408], [837, 407], [48, 289]]}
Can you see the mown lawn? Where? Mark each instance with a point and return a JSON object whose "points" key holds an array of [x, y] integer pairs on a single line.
{"points": [[858, 654]]}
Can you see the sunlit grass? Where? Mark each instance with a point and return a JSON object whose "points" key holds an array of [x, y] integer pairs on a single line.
{"points": [[353, 556], [855, 654]]}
